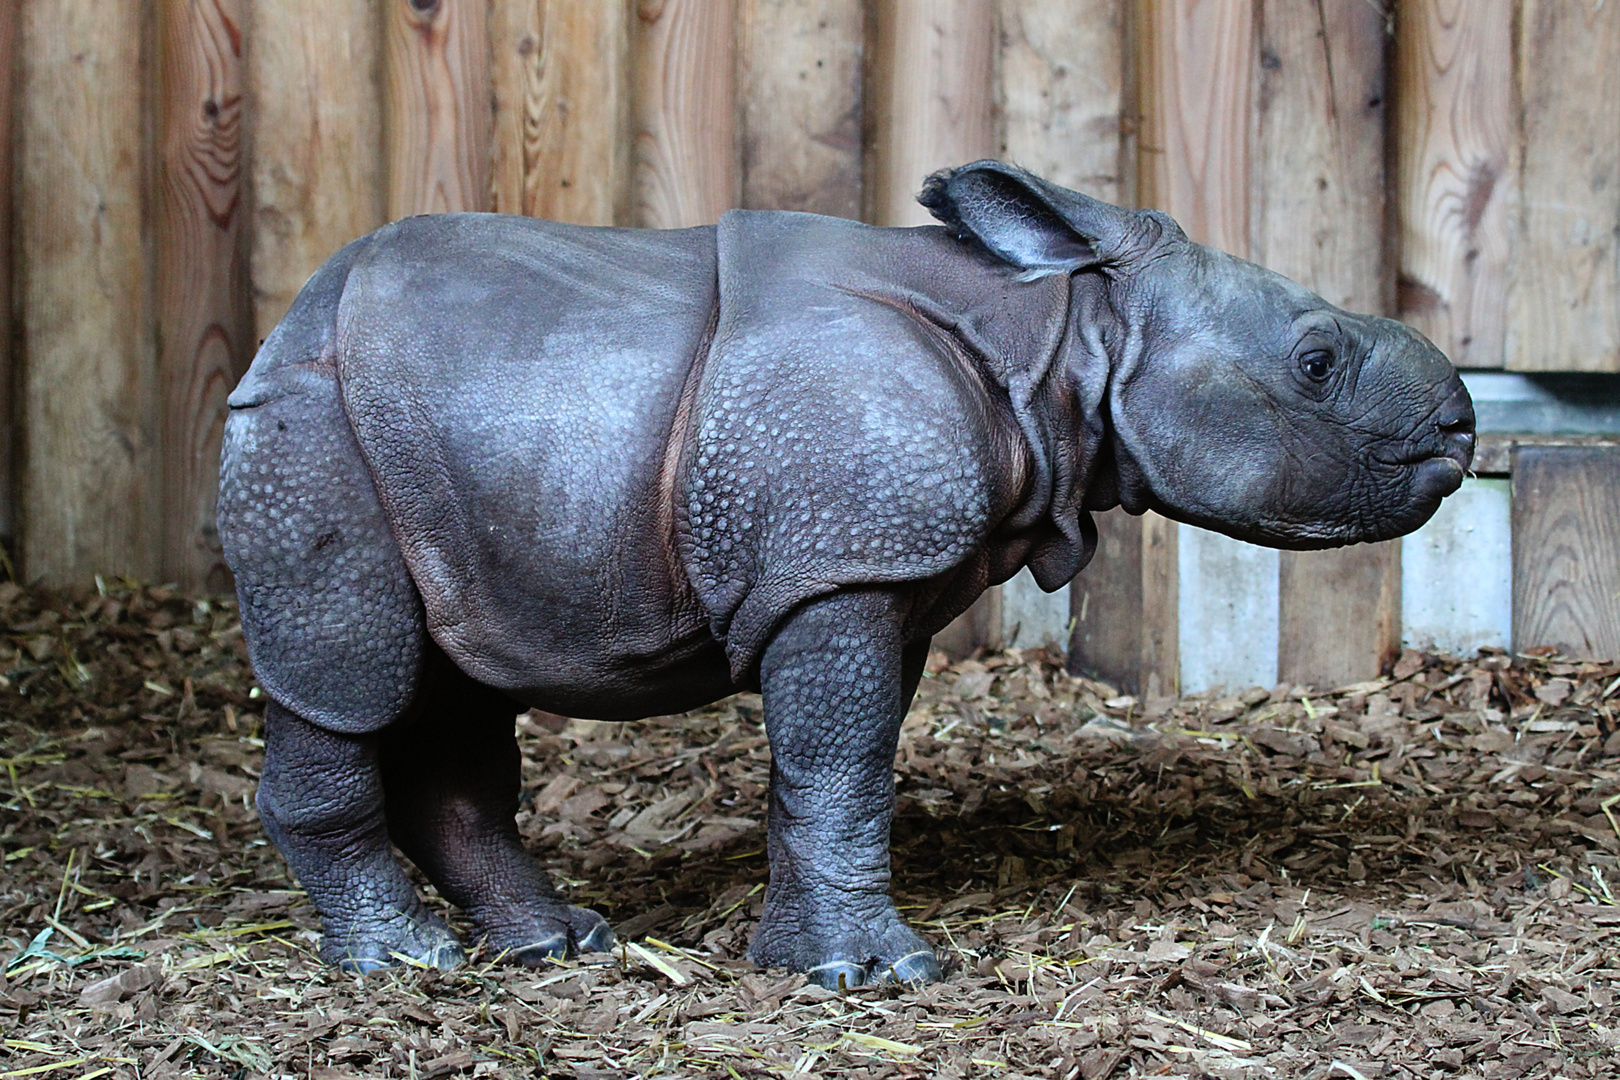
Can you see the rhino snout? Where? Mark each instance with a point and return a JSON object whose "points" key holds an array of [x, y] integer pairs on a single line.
{"points": [[1444, 452], [1438, 452]]}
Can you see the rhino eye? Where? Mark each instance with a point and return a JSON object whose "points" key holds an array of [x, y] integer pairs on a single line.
{"points": [[1317, 364]]}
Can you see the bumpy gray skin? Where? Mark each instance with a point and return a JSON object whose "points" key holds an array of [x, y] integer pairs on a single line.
{"points": [[488, 463]]}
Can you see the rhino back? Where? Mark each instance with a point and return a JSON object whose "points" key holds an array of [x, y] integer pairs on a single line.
{"points": [[333, 624], [513, 385]]}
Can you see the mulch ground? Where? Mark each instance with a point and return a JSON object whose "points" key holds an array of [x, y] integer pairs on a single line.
{"points": [[1410, 877]]}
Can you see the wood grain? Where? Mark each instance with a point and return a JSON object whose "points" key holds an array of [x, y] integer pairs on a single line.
{"points": [[1566, 550], [1317, 198], [202, 311], [1453, 183], [1195, 62], [686, 161], [1160, 671], [931, 99], [315, 109], [1317, 179], [437, 117], [1063, 69], [88, 384], [801, 105], [8, 355], [1125, 606], [1106, 606], [1564, 292], [561, 73], [1226, 612], [1339, 614]]}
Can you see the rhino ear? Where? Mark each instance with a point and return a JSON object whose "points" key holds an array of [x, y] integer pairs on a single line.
{"points": [[1034, 225]]}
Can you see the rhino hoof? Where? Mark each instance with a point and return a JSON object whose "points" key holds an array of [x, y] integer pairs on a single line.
{"points": [[538, 953], [913, 969], [595, 936], [443, 956], [363, 965], [838, 975], [916, 969], [600, 938]]}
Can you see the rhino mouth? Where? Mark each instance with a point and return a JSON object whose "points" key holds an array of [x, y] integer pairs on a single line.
{"points": [[1454, 449], [1442, 473], [1430, 476]]}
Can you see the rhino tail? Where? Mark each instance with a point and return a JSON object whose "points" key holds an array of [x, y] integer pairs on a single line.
{"points": [[333, 621]]}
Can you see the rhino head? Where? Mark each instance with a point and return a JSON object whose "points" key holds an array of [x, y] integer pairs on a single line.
{"points": [[1235, 398]]}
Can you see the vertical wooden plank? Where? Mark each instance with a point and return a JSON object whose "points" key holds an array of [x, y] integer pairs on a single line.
{"points": [[561, 71], [437, 116], [1566, 549], [931, 99], [1318, 173], [686, 162], [1453, 137], [88, 378], [315, 108], [1033, 618], [8, 359], [1106, 604], [1062, 92], [202, 311], [1564, 295], [1227, 612], [1339, 613], [1160, 670], [1126, 606], [801, 105], [1195, 61], [1319, 210]]}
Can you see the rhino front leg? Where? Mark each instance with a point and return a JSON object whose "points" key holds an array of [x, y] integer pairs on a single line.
{"points": [[453, 776], [321, 800], [837, 681]]}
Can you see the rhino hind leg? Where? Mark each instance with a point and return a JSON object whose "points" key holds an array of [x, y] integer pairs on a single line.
{"points": [[321, 800], [837, 682], [333, 621], [451, 770]]}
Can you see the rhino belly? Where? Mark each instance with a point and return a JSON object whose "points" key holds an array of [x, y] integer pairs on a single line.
{"points": [[513, 386]]}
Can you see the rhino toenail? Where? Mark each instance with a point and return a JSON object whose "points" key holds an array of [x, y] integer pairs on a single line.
{"points": [[915, 969], [600, 939], [537, 953], [838, 975]]}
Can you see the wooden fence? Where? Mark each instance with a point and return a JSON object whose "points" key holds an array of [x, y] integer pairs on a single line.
{"points": [[174, 170]]}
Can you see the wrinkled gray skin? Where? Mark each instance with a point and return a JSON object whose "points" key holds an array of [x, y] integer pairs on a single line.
{"points": [[488, 463]]}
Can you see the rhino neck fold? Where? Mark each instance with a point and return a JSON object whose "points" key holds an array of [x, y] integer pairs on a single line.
{"points": [[1008, 335]]}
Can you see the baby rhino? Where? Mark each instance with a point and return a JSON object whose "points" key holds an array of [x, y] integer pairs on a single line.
{"points": [[487, 463]]}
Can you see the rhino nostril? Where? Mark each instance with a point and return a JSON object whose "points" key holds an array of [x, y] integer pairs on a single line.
{"points": [[1456, 430], [1458, 436]]}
